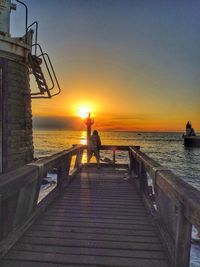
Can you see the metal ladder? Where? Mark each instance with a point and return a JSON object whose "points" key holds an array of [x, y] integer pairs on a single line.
{"points": [[35, 63], [40, 62]]}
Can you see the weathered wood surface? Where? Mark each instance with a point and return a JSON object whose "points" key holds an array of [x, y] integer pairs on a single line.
{"points": [[99, 221], [177, 204]]}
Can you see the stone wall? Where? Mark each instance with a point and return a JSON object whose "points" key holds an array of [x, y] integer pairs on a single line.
{"points": [[16, 112]]}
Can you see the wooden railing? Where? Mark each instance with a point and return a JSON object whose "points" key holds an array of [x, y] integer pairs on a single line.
{"points": [[174, 204], [19, 192], [114, 149]]}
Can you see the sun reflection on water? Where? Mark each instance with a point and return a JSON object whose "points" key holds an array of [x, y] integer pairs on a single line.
{"points": [[83, 141], [83, 138]]}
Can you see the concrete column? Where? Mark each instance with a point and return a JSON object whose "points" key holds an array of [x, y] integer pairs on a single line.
{"points": [[16, 142]]}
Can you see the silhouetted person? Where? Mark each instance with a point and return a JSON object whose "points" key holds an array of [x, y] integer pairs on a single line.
{"points": [[189, 130], [94, 146]]}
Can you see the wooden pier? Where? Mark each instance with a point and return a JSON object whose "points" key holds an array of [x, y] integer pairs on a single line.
{"points": [[138, 214]]}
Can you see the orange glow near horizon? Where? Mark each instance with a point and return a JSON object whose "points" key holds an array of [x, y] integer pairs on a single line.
{"points": [[113, 110]]}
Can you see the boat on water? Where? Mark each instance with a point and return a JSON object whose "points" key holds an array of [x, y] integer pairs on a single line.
{"points": [[190, 138]]}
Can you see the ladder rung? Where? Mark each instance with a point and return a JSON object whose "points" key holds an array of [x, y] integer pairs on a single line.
{"points": [[42, 90], [37, 69], [38, 75], [42, 84]]}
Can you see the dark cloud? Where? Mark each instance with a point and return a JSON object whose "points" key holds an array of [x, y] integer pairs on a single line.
{"points": [[58, 123]]}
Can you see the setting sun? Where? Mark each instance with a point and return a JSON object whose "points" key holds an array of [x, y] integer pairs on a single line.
{"points": [[83, 112]]}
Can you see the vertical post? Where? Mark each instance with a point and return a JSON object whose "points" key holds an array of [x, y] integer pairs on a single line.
{"points": [[1, 220], [1, 120], [131, 161], [78, 158], [88, 121], [67, 168], [114, 150], [39, 182], [183, 240], [62, 174], [143, 178]]}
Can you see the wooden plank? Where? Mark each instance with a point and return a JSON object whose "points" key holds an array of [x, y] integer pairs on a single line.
{"points": [[22, 263], [93, 236], [89, 203], [86, 259], [112, 189], [79, 206], [98, 212], [130, 232], [102, 221], [100, 209], [68, 207], [96, 216], [99, 197], [93, 202], [109, 192], [92, 251], [92, 243], [97, 225]]}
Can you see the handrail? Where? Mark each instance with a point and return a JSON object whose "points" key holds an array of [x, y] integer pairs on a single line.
{"points": [[51, 161], [55, 77], [114, 148], [50, 72], [20, 189], [175, 204], [117, 147], [181, 191], [26, 20], [36, 33]]}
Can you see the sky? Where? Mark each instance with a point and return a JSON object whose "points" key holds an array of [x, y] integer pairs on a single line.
{"points": [[134, 63]]}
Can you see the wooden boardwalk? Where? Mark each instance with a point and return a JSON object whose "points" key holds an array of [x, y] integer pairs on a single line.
{"points": [[99, 221]]}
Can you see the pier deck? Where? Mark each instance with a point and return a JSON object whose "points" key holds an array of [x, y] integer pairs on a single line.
{"points": [[99, 221]]}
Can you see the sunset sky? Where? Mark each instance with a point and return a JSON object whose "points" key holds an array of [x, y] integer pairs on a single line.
{"points": [[134, 63]]}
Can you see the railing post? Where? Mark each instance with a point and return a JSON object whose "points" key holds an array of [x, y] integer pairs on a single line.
{"points": [[183, 240], [132, 163], [68, 163], [143, 178], [114, 150], [1, 221], [62, 175], [78, 158], [39, 182]]}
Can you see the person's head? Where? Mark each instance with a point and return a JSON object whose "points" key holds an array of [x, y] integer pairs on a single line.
{"points": [[95, 132]]}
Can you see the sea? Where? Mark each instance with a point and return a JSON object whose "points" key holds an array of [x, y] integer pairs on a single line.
{"points": [[165, 147]]}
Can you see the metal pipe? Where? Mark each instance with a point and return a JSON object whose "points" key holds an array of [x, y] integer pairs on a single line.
{"points": [[36, 34]]}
